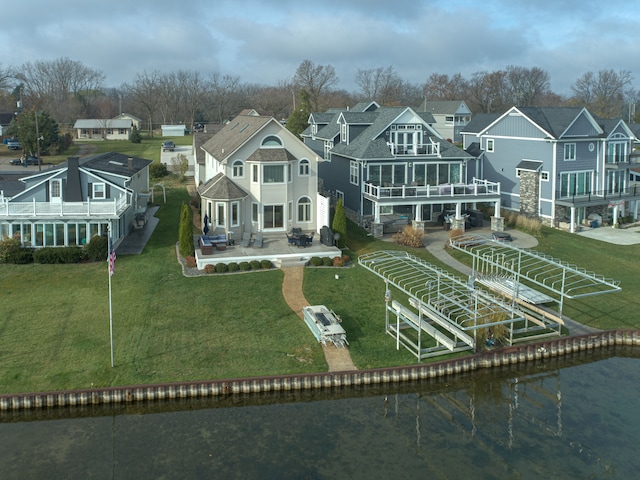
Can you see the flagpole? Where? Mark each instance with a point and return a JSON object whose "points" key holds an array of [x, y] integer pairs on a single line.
{"points": [[110, 271]]}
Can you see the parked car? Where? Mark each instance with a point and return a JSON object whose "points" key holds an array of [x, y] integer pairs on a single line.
{"points": [[28, 160], [15, 161], [168, 146]]}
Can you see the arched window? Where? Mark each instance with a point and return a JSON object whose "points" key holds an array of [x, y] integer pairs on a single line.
{"points": [[303, 167], [271, 141], [238, 169], [304, 209]]}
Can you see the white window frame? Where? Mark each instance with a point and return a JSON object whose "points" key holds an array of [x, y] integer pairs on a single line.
{"points": [[354, 173], [343, 132], [518, 172], [490, 145], [255, 173], [255, 212], [304, 167], [569, 152], [285, 171], [55, 186], [235, 212], [237, 169], [327, 150], [307, 210], [221, 207], [544, 176], [99, 191]]}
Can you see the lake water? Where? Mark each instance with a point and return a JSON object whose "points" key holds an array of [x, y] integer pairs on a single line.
{"points": [[561, 419]]}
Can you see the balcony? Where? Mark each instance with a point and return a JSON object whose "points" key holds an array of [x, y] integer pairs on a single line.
{"points": [[477, 190], [43, 210], [426, 149], [597, 197]]}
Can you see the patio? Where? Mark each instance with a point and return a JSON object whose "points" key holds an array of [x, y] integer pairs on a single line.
{"points": [[275, 247]]}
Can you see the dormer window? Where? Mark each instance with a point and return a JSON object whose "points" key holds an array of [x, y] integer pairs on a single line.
{"points": [[343, 132], [271, 141]]}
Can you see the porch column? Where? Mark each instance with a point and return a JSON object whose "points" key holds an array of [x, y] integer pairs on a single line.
{"points": [[572, 226], [616, 210], [497, 222], [377, 229], [417, 223]]}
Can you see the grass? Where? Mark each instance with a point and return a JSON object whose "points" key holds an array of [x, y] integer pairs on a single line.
{"points": [[54, 319]]}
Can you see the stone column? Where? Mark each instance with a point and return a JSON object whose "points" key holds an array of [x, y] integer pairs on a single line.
{"points": [[377, 230], [497, 224]]}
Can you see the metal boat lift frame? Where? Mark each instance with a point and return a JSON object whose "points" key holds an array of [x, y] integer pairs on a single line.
{"points": [[445, 307]]}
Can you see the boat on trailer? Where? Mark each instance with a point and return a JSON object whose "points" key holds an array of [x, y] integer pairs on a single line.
{"points": [[325, 325]]}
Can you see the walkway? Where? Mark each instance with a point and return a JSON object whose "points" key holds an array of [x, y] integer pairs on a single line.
{"points": [[338, 359]]}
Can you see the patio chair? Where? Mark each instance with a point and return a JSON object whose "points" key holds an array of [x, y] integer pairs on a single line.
{"points": [[291, 239], [310, 238], [257, 243], [246, 239]]}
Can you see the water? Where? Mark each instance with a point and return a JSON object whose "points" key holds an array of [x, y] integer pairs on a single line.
{"points": [[561, 419]]}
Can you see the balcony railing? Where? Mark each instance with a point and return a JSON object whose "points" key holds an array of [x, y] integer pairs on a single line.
{"points": [[628, 192], [63, 209], [478, 188], [432, 149]]}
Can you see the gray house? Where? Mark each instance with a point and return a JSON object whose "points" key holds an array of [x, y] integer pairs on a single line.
{"points": [[390, 167], [563, 165], [70, 203], [450, 117]]}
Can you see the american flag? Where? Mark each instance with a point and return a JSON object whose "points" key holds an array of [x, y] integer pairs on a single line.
{"points": [[112, 256]]}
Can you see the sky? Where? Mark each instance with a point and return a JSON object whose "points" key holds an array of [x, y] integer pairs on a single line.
{"points": [[264, 41]]}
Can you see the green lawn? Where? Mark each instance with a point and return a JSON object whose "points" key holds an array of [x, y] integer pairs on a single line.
{"points": [[54, 319]]}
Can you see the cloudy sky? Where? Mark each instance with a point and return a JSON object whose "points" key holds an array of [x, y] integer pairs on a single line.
{"points": [[263, 41]]}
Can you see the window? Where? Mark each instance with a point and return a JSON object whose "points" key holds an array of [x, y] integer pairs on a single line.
{"points": [[575, 183], [220, 214], [56, 190], [235, 214], [354, 173], [98, 190], [544, 176], [314, 129], [304, 209], [489, 144], [273, 174], [271, 141], [327, 149], [569, 152], [255, 176], [254, 212], [238, 169], [616, 152], [273, 216], [448, 119], [303, 168], [343, 132], [518, 172], [289, 173]]}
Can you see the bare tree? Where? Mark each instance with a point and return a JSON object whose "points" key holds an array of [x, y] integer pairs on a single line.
{"points": [[144, 92], [486, 92], [193, 88], [603, 93], [442, 87], [317, 80], [382, 84], [223, 90], [526, 87]]}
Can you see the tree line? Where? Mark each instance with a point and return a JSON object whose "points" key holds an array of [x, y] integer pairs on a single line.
{"points": [[68, 90]]}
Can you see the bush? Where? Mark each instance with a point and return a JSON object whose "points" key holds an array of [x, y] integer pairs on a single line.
{"points": [[158, 170], [338, 262], [186, 232], [134, 136], [210, 268], [339, 224], [409, 237], [190, 261], [244, 266], [266, 264], [96, 249], [255, 264], [233, 267], [315, 261], [12, 251], [327, 261], [222, 268], [53, 255]]}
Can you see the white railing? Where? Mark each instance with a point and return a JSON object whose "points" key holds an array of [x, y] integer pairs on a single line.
{"points": [[478, 188], [63, 209], [432, 149]]}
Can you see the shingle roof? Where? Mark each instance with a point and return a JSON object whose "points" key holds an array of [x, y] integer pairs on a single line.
{"points": [[554, 120], [441, 106], [480, 121], [115, 163], [199, 139], [221, 187], [106, 123], [233, 135], [271, 155]]}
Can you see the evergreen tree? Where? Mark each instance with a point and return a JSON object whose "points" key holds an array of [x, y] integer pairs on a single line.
{"points": [[339, 224], [135, 136], [298, 121], [186, 232], [23, 127]]}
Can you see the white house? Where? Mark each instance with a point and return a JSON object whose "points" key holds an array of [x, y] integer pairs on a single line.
{"points": [[103, 129]]}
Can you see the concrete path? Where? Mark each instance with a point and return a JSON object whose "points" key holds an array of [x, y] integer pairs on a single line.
{"points": [[338, 359]]}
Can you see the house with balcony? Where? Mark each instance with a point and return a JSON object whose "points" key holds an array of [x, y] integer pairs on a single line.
{"points": [[450, 117], [563, 165], [71, 202], [391, 167], [255, 176]]}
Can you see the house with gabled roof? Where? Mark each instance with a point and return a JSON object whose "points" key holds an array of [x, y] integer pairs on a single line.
{"points": [[256, 176], [71, 202], [103, 129], [563, 165], [450, 117], [389, 165]]}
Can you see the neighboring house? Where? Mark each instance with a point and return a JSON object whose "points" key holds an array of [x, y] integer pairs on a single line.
{"points": [[5, 119], [562, 165], [173, 130], [103, 129], [389, 166], [450, 116], [70, 203], [258, 177], [135, 121]]}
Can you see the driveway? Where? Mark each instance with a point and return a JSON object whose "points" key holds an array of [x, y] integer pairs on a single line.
{"points": [[170, 158]]}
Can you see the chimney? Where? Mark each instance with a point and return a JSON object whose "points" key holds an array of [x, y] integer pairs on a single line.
{"points": [[130, 163], [73, 190]]}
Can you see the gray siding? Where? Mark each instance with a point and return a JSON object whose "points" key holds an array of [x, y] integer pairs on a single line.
{"points": [[515, 126], [581, 127], [335, 175]]}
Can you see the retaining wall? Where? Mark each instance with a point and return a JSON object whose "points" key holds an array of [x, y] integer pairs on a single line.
{"points": [[494, 358]]}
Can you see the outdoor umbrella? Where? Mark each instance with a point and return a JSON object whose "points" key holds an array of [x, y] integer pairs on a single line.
{"points": [[206, 224]]}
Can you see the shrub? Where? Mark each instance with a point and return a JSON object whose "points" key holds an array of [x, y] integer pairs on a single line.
{"points": [[210, 268], [409, 237], [186, 232], [52, 255], [338, 262], [222, 268], [234, 267], [327, 261], [12, 251], [315, 261], [190, 261], [346, 259], [134, 136], [96, 249], [266, 264], [255, 264], [339, 224], [158, 170], [244, 266]]}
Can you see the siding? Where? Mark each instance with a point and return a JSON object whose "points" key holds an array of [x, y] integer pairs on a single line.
{"points": [[515, 126]]}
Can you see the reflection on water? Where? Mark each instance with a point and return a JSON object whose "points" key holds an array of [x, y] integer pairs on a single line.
{"points": [[574, 418]]}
